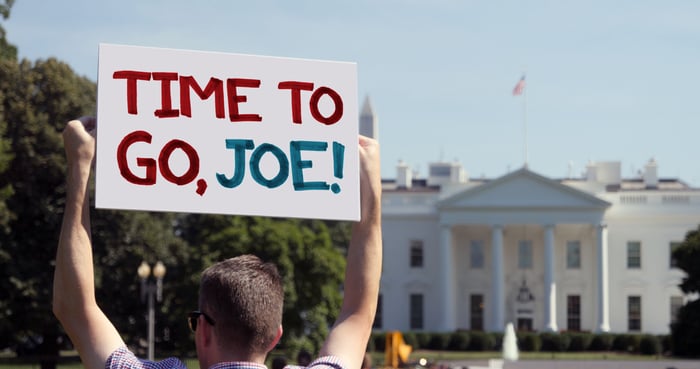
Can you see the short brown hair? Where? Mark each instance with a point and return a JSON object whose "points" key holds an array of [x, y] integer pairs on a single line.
{"points": [[244, 296]]}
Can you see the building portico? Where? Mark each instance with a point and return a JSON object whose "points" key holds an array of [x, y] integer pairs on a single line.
{"points": [[521, 244]]}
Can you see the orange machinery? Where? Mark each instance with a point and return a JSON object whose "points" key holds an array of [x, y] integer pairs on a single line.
{"points": [[396, 351]]}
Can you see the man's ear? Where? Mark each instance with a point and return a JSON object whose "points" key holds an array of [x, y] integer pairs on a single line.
{"points": [[276, 340], [207, 333]]}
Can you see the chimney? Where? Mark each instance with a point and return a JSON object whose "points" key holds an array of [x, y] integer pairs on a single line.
{"points": [[591, 172], [651, 178], [404, 175]]}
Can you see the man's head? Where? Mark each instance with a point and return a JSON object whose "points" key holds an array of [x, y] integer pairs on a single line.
{"points": [[244, 297]]}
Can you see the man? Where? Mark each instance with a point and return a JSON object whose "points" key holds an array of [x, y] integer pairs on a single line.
{"points": [[100, 345]]}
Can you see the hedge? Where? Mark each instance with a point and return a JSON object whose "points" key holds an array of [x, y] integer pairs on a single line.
{"points": [[580, 341], [646, 344], [602, 342], [459, 341], [650, 345], [528, 341]]}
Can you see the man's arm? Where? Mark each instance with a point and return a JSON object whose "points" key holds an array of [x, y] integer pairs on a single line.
{"points": [[74, 302], [348, 338]]}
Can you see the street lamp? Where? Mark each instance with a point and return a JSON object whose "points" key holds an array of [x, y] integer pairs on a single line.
{"points": [[148, 289]]}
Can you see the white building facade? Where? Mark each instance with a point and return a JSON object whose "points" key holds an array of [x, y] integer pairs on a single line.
{"points": [[585, 254]]}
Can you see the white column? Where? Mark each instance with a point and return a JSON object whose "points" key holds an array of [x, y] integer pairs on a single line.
{"points": [[497, 279], [447, 279], [603, 300], [550, 286]]}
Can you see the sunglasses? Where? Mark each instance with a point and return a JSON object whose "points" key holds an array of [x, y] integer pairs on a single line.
{"points": [[193, 318]]}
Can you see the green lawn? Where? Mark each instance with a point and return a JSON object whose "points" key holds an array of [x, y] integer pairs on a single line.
{"points": [[431, 356]]}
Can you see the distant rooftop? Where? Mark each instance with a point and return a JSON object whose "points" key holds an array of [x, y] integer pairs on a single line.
{"points": [[601, 176]]}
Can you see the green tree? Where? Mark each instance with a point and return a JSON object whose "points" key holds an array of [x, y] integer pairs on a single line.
{"points": [[685, 331], [311, 265], [122, 240], [37, 99], [8, 59], [7, 50]]}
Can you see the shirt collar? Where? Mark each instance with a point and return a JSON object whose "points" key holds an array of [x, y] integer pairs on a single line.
{"points": [[238, 365]]}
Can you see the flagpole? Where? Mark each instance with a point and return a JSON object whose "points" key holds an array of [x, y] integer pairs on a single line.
{"points": [[521, 89], [525, 125]]}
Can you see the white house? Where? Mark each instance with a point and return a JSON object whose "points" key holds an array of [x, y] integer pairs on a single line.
{"points": [[577, 254]]}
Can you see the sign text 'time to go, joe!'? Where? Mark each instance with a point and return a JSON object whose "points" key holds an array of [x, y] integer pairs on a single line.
{"points": [[226, 133]]}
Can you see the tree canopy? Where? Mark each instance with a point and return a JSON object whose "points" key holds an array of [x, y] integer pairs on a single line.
{"points": [[37, 98], [686, 330]]}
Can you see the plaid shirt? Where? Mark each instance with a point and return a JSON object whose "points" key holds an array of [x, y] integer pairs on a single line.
{"points": [[122, 358]]}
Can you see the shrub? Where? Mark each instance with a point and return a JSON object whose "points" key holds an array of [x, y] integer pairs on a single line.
{"points": [[666, 343], [409, 338], [649, 345], [602, 342], [497, 340], [459, 341], [620, 342], [422, 340], [580, 341], [370, 343], [529, 342], [438, 341], [378, 341], [554, 342], [481, 341], [626, 343]]}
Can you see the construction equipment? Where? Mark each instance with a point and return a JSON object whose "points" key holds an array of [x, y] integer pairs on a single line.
{"points": [[396, 351]]}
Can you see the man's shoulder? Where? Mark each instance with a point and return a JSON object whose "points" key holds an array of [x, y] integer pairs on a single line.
{"points": [[123, 358], [324, 362]]}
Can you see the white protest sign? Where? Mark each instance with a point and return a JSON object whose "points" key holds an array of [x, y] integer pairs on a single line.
{"points": [[219, 133]]}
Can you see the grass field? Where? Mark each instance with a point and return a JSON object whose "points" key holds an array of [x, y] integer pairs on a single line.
{"points": [[431, 356], [453, 355]]}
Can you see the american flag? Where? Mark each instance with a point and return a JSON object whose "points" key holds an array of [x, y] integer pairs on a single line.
{"points": [[519, 87]]}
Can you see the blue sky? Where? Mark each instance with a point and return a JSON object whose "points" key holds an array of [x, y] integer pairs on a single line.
{"points": [[606, 80]]}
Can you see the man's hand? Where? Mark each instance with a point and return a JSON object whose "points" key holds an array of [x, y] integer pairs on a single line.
{"points": [[79, 140], [370, 179]]}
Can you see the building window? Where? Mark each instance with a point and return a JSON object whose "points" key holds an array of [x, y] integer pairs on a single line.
{"points": [[676, 305], [416, 312], [476, 312], [525, 254], [573, 312], [378, 317], [416, 254], [476, 254], [573, 255], [673, 263], [634, 255], [634, 313]]}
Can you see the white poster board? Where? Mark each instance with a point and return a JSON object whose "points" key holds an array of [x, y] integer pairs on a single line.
{"points": [[206, 132]]}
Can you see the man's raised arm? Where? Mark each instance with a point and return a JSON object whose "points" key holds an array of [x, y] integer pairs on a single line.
{"points": [[74, 303], [348, 338]]}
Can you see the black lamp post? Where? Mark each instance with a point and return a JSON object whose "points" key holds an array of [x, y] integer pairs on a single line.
{"points": [[149, 288]]}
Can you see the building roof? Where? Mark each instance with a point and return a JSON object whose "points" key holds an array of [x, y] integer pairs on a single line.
{"points": [[626, 184]]}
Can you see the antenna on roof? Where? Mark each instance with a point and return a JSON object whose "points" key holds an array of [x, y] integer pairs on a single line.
{"points": [[570, 173]]}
